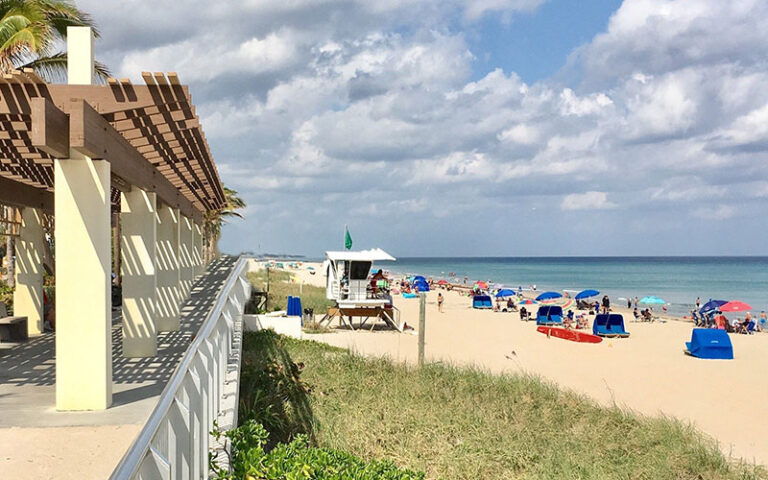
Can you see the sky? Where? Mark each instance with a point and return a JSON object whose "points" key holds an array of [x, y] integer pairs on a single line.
{"points": [[472, 127]]}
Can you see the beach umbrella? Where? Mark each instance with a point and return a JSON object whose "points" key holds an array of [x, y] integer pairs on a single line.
{"points": [[586, 294], [735, 306], [310, 268], [442, 282], [528, 301], [481, 284], [711, 306], [549, 296], [651, 300], [505, 292]]}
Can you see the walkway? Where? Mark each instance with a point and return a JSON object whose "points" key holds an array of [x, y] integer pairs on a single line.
{"points": [[38, 442]]}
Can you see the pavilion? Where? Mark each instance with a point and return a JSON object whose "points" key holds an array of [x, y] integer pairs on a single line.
{"points": [[83, 154]]}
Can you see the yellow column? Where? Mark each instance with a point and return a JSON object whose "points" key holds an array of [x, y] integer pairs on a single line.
{"points": [[28, 296], [185, 248], [137, 245], [83, 261], [83, 274], [167, 268]]}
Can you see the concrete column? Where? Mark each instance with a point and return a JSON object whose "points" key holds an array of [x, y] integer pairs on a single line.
{"points": [[83, 271], [28, 296], [185, 253], [137, 246], [167, 268], [83, 261]]}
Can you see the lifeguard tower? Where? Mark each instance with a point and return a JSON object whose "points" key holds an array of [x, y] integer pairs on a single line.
{"points": [[349, 283]]}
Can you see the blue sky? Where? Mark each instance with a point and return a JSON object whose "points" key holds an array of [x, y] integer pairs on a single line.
{"points": [[536, 44], [473, 127]]}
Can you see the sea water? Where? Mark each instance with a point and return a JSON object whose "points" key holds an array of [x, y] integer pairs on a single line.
{"points": [[677, 280]]}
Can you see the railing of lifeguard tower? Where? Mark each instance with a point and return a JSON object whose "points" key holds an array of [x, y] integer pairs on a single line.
{"points": [[174, 442]]}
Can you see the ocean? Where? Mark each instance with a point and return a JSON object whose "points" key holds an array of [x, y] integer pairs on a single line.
{"points": [[678, 280]]}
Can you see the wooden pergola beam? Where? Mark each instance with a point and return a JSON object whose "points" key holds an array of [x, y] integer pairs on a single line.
{"points": [[93, 136], [50, 128], [22, 195]]}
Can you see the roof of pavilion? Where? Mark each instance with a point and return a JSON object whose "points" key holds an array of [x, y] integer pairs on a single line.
{"points": [[157, 119]]}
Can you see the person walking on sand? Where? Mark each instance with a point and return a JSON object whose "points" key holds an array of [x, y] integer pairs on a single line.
{"points": [[698, 303], [440, 302], [606, 304]]}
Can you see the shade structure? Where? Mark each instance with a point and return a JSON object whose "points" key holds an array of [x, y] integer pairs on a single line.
{"points": [[505, 292], [549, 295], [735, 306], [528, 301], [481, 284], [586, 294], [419, 278], [651, 300], [442, 282], [711, 306]]}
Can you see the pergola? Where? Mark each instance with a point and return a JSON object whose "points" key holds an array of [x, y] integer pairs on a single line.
{"points": [[79, 151]]}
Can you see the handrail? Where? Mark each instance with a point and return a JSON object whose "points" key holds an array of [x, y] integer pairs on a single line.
{"points": [[145, 458]]}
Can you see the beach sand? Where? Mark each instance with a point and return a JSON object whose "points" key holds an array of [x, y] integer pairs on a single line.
{"points": [[647, 373]]}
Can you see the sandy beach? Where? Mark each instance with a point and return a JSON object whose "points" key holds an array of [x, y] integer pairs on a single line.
{"points": [[647, 373]]}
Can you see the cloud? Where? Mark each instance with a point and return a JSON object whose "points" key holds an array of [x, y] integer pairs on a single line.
{"points": [[587, 201], [374, 114]]}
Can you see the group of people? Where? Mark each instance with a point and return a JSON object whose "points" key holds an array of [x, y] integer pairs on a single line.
{"points": [[718, 320]]}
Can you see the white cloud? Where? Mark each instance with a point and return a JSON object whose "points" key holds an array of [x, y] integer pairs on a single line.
{"points": [[587, 201], [366, 110]]}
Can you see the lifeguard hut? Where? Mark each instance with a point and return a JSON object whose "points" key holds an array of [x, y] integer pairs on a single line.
{"points": [[356, 293]]}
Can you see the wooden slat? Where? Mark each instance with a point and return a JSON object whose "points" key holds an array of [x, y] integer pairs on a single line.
{"points": [[50, 128]]}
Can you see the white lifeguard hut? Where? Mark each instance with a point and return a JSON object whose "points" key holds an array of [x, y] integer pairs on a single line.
{"points": [[348, 282]]}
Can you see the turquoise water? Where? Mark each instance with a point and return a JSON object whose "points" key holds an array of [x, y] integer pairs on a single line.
{"points": [[678, 280]]}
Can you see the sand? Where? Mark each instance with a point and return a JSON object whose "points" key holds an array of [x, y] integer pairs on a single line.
{"points": [[647, 373]]}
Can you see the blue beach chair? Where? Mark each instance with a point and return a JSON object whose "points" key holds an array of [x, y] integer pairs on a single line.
{"points": [[616, 325], [482, 301], [600, 325], [709, 343], [555, 315]]}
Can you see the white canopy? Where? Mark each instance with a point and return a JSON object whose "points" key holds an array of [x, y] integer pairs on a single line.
{"points": [[371, 255]]}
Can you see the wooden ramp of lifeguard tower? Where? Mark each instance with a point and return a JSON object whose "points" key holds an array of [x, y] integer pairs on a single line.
{"points": [[389, 315]]}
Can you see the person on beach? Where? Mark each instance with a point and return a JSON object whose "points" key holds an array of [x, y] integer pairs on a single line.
{"points": [[629, 303], [511, 305], [606, 304], [762, 323], [698, 303], [440, 302], [636, 302]]}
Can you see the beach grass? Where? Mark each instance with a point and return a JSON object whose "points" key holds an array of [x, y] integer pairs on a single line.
{"points": [[282, 284], [461, 423]]}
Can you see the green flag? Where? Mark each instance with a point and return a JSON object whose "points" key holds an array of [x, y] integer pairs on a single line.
{"points": [[347, 239]]}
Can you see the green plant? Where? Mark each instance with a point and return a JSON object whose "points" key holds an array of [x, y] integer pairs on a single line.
{"points": [[281, 285], [297, 460], [6, 295]]}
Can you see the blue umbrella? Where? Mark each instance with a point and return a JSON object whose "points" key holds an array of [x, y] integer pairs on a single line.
{"points": [[711, 306], [505, 292], [586, 294], [651, 300], [548, 296]]}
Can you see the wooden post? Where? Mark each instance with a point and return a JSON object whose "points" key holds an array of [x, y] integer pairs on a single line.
{"points": [[422, 325]]}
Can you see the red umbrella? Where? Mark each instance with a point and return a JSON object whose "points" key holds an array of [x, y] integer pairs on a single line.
{"points": [[442, 282], [735, 306], [481, 284]]}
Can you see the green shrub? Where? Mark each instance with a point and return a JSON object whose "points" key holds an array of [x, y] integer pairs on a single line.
{"points": [[298, 460], [6, 296]]}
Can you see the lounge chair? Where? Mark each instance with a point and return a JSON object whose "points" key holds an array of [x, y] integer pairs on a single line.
{"points": [[482, 301], [600, 325], [709, 343], [616, 325]]}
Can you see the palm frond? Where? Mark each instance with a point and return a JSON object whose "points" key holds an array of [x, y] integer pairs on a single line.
{"points": [[54, 68]]}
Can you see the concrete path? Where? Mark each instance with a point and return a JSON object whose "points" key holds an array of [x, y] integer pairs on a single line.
{"points": [[38, 442]]}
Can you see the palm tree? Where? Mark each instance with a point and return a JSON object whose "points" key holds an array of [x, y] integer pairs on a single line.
{"points": [[214, 219], [30, 31]]}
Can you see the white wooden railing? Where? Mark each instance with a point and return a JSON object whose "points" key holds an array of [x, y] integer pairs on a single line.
{"points": [[174, 443]]}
